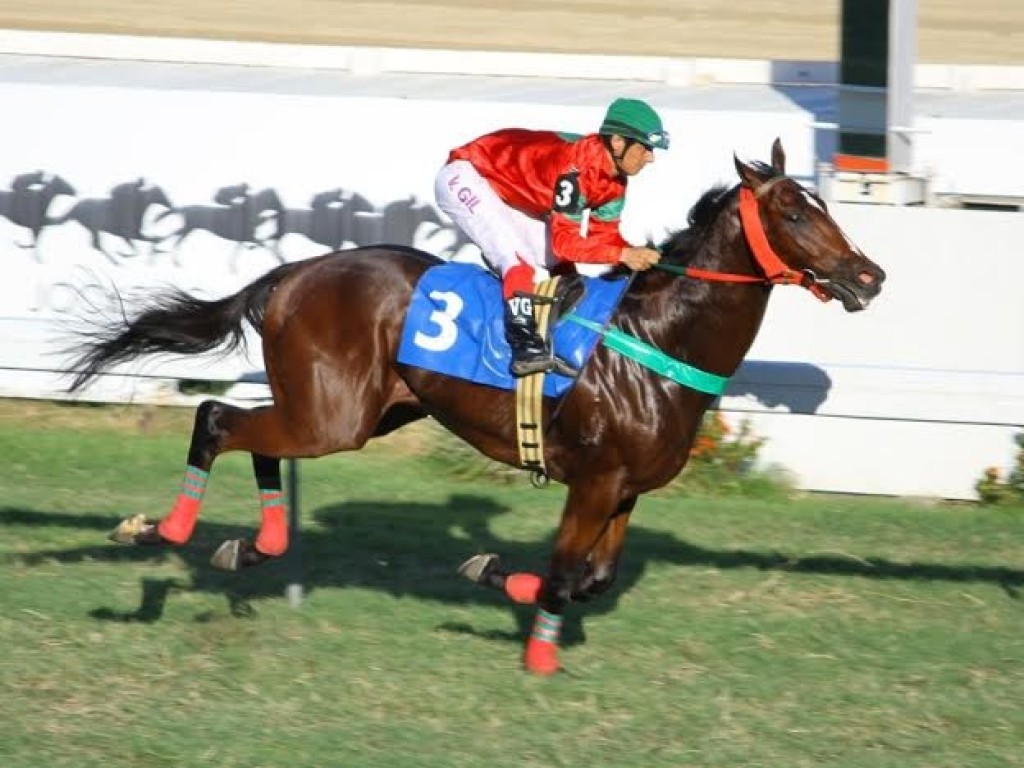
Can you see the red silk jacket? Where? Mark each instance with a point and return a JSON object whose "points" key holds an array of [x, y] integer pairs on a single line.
{"points": [[560, 176]]}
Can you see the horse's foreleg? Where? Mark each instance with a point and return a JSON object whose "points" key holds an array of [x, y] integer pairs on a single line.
{"points": [[588, 507], [603, 562], [520, 586], [524, 587]]}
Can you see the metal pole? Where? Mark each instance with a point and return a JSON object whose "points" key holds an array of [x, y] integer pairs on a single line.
{"points": [[294, 589]]}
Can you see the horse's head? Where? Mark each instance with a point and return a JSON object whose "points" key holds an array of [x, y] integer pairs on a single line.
{"points": [[153, 195], [48, 185], [798, 228], [56, 185]]}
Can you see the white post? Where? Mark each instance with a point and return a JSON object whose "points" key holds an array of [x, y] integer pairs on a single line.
{"points": [[902, 57], [293, 591]]}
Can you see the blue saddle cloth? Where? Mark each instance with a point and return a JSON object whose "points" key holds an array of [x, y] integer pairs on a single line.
{"points": [[455, 326]]}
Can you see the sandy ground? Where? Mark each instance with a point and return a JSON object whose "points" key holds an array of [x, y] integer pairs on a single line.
{"points": [[950, 31]]}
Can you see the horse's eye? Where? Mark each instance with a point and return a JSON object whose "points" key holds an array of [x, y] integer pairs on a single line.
{"points": [[794, 217]]}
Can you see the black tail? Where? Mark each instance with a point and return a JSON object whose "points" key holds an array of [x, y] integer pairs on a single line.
{"points": [[173, 323]]}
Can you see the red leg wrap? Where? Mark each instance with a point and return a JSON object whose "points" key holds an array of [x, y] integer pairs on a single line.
{"points": [[523, 587], [177, 526], [541, 657], [273, 536]]}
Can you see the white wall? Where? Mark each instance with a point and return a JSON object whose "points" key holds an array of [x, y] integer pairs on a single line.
{"points": [[920, 393], [927, 385]]}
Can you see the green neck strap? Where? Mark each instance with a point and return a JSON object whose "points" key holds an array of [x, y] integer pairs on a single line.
{"points": [[655, 359]]}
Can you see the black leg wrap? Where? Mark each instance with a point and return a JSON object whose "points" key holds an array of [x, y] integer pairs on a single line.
{"points": [[267, 471]]}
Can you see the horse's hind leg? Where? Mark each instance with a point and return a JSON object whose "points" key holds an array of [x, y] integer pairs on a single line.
{"points": [[219, 428], [268, 435], [213, 432], [177, 526], [272, 539]]}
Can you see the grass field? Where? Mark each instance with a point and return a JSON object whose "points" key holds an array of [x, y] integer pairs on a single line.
{"points": [[815, 631]]}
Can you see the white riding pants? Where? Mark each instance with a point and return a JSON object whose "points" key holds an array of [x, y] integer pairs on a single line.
{"points": [[503, 233]]}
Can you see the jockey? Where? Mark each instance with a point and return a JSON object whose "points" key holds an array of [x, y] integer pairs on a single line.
{"points": [[534, 199]]}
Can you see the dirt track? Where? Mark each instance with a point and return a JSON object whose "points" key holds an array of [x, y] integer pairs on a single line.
{"points": [[950, 31]]}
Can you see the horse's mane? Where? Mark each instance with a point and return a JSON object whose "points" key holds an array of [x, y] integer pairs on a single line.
{"points": [[678, 246]]}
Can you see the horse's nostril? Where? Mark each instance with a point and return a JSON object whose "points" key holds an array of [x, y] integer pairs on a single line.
{"points": [[866, 278]]}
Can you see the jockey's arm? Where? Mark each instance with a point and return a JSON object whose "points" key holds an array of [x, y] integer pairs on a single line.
{"points": [[586, 239], [596, 241]]}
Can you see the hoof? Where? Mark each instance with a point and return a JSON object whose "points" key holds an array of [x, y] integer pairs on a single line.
{"points": [[136, 530], [477, 567], [236, 554]]}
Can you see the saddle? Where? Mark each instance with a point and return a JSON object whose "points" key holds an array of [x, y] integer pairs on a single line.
{"points": [[454, 326]]}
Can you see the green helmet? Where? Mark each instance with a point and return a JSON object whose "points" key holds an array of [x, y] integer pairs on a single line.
{"points": [[635, 119]]}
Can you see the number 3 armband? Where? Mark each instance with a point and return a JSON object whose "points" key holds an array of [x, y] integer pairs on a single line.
{"points": [[567, 197]]}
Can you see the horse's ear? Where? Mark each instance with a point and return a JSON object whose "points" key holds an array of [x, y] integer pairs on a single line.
{"points": [[750, 177], [778, 157]]}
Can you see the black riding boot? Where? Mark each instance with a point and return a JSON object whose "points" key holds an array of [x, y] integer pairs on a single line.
{"points": [[529, 352]]}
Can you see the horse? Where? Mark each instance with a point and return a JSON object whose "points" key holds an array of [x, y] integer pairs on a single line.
{"points": [[249, 218], [407, 222], [28, 202], [338, 216], [330, 220], [331, 326], [125, 214]]}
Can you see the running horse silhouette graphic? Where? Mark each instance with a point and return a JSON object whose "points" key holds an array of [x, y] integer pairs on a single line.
{"points": [[338, 217], [125, 215], [28, 202], [409, 222], [241, 215], [331, 220]]}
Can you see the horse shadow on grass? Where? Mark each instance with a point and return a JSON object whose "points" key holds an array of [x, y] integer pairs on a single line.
{"points": [[413, 550]]}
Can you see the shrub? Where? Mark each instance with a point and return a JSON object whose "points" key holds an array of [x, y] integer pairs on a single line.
{"points": [[203, 387], [722, 461], [457, 459], [993, 489]]}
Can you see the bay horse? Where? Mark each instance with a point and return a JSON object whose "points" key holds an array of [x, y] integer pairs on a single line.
{"points": [[331, 328]]}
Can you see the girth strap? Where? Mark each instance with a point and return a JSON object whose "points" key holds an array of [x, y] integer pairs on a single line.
{"points": [[530, 397]]}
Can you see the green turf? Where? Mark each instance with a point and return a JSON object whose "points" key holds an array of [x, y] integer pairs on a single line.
{"points": [[815, 631]]}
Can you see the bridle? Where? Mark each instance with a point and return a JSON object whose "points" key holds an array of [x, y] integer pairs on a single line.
{"points": [[775, 271]]}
